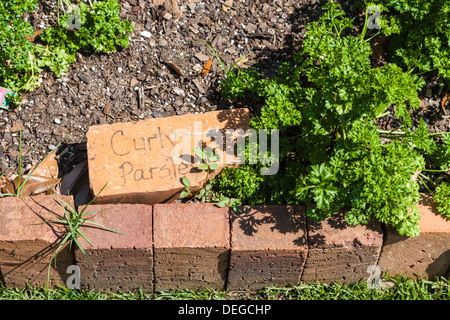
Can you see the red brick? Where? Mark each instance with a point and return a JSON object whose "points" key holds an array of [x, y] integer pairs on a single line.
{"points": [[122, 262], [27, 244], [268, 247], [427, 255], [339, 252], [134, 160], [192, 246]]}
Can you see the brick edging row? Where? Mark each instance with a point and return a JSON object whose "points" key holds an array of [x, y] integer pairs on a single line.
{"points": [[178, 246]]}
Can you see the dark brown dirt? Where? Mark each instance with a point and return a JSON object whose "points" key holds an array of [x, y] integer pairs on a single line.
{"points": [[137, 83]]}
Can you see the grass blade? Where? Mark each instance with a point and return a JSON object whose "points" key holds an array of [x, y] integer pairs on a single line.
{"points": [[95, 198], [84, 237], [215, 54], [106, 228]]}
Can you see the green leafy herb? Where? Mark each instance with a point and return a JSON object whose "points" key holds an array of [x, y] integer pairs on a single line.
{"points": [[333, 156], [421, 40], [100, 29], [22, 61], [442, 198]]}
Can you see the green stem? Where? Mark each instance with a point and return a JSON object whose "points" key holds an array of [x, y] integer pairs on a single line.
{"points": [[234, 64], [421, 174], [30, 59], [431, 170], [423, 72], [382, 115], [391, 137], [363, 34], [425, 184], [343, 133], [400, 133], [437, 133], [69, 5], [391, 132], [207, 175], [376, 34], [48, 50]]}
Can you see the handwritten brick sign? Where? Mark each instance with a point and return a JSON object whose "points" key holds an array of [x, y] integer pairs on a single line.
{"points": [[144, 162]]}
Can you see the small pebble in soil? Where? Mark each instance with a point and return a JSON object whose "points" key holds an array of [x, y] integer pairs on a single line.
{"points": [[146, 34]]}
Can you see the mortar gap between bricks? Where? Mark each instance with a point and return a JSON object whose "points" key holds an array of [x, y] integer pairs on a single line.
{"points": [[384, 230], [153, 249], [59, 235], [230, 220], [2, 279], [308, 249]]}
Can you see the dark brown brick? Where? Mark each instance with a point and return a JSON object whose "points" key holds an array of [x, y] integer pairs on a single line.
{"points": [[122, 262], [338, 252], [27, 244], [427, 255], [268, 247], [192, 244]]}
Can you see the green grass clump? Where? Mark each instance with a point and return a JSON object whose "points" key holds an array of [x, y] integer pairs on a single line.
{"points": [[401, 289]]}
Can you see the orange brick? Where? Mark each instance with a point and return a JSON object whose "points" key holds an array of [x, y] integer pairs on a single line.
{"points": [[135, 162], [427, 255], [191, 246], [339, 252], [268, 247], [117, 261], [27, 244]]}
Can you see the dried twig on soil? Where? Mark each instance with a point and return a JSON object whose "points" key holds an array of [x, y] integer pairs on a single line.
{"points": [[444, 102], [175, 68], [198, 85], [141, 97]]}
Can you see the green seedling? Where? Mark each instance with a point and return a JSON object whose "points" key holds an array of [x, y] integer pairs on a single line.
{"points": [[232, 203], [209, 160], [206, 194], [232, 67], [207, 165], [187, 186]]}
